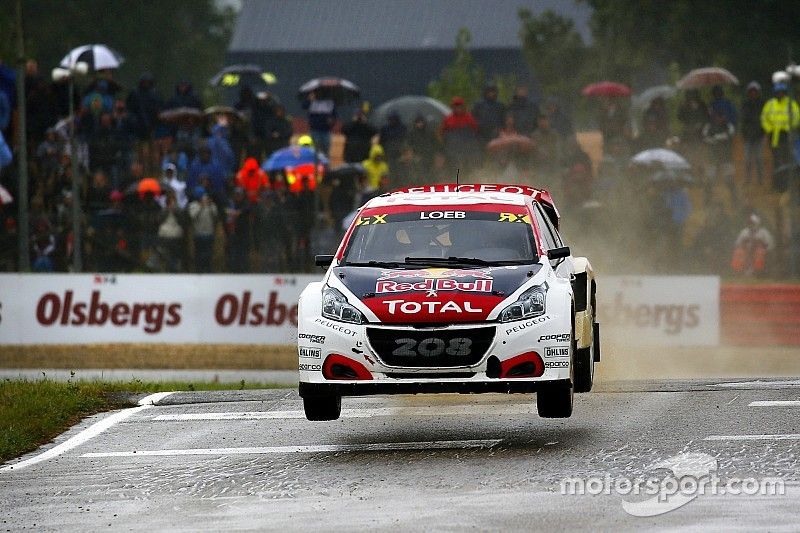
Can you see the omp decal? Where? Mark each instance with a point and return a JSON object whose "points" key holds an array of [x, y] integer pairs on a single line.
{"points": [[434, 284], [310, 353], [411, 308], [558, 337], [527, 324], [556, 351], [335, 327], [315, 339], [514, 217]]}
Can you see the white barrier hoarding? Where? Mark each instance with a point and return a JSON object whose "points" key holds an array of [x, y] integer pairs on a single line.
{"points": [[131, 308], [659, 310], [262, 309]]}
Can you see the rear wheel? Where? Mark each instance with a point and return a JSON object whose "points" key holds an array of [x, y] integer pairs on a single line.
{"points": [[321, 408]]}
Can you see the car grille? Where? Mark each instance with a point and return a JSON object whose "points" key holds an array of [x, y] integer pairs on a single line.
{"points": [[431, 348]]}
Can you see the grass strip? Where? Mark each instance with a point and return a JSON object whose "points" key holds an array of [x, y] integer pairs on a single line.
{"points": [[33, 412]]}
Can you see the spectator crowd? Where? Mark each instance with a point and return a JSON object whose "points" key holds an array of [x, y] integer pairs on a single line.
{"points": [[168, 185]]}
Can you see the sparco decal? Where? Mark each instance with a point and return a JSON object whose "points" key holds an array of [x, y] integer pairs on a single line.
{"points": [[315, 339], [556, 351], [310, 353], [231, 309], [559, 337], [71, 311], [411, 308], [556, 364], [527, 324], [310, 367], [335, 327], [430, 284]]}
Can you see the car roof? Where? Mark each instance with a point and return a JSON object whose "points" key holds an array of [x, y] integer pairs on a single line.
{"points": [[446, 198]]}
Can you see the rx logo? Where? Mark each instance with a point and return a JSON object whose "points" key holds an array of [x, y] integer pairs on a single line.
{"points": [[514, 217], [374, 219]]}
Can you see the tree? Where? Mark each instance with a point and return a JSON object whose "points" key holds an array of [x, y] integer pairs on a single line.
{"points": [[181, 39], [464, 77]]}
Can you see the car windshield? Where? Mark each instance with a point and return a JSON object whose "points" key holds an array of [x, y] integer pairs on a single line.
{"points": [[441, 237]]}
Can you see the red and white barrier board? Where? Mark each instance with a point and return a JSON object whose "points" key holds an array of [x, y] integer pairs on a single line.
{"points": [[131, 308], [659, 310], [262, 309]]}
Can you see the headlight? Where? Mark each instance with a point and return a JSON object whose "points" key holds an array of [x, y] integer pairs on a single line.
{"points": [[529, 305], [335, 306]]}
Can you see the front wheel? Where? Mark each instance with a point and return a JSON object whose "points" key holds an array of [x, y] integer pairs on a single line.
{"points": [[321, 408]]}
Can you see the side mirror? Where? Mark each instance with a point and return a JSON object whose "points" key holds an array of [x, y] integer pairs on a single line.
{"points": [[323, 260], [558, 253]]}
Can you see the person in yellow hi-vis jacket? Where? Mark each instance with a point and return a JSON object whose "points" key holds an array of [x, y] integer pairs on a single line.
{"points": [[776, 117]]}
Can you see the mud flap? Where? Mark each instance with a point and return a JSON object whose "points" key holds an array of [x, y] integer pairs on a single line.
{"points": [[596, 341]]}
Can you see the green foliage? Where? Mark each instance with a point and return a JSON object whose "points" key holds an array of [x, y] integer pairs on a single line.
{"points": [[464, 77], [179, 39]]}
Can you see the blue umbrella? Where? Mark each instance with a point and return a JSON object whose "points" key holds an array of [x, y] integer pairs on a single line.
{"points": [[292, 156]]}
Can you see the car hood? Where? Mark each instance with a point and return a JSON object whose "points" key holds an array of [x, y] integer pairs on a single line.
{"points": [[433, 295]]}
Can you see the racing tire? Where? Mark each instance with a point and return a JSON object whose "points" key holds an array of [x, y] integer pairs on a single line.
{"points": [[322, 408], [557, 401]]}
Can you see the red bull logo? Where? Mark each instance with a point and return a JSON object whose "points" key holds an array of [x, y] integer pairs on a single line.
{"points": [[433, 285], [437, 273]]}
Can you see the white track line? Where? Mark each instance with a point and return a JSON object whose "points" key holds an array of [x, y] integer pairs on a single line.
{"points": [[787, 436], [92, 431], [759, 384], [323, 448], [449, 410], [775, 403]]}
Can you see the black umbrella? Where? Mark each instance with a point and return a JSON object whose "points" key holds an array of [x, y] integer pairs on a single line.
{"points": [[339, 90], [233, 75]]}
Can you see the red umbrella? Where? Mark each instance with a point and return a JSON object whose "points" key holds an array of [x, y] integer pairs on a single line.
{"points": [[146, 185], [606, 88], [706, 77], [511, 143]]}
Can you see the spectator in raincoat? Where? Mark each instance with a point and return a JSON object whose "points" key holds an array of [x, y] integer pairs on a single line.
{"points": [[252, 179], [777, 117], [184, 97], [459, 133], [489, 114], [358, 133], [376, 166], [526, 112], [5, 152], [751, 248], [321, 118], [221, 150], [753, 133]]}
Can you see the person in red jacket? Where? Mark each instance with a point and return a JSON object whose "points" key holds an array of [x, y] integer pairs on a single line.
{"points": [[252, 179], [459, 133]]}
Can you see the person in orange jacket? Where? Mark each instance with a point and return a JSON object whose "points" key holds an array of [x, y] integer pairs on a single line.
{"points": [[252, 179]]}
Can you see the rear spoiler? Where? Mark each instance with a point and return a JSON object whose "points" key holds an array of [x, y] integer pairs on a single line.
{"points": [[539, 195]]}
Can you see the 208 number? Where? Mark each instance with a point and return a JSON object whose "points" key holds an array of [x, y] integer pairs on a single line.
{"points": [[432, 347]]}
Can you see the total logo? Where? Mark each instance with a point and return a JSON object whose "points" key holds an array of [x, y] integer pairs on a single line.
{"points": [[434, 285], [412, 308]]}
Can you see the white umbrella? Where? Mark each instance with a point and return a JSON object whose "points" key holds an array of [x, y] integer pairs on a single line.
{"points": [[5, 196], [644, 98], [666, 158], [408, 107], [97, 56]]}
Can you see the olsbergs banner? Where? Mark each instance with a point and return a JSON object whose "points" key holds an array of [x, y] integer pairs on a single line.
{"points": [[132, 308], [659, 310], [262, 309]]}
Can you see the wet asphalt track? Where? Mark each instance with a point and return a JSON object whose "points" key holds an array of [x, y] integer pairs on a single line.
{"points": [[248, 460]]}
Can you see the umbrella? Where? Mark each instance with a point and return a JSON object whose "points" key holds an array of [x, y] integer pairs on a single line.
{"points": [[225, 110], [233, 75], [705, 77], [339, 90], [408, 107], [511, 144], [347, 170], [292, 156], [97, 56], [669, 176], [606, 88], [144, 186], [181, 115], [643, 99], [5, 196], [661, 156]]}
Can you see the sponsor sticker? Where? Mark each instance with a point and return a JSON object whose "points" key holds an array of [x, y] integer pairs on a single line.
{"points": [[336, 327], [556, 351], [412, 308], [522, 326], [556, 364], [314, 339], [558, 337], [514, 217], [438, 215], [439, 273], [310, 353], [433, 284], [304, 366]]}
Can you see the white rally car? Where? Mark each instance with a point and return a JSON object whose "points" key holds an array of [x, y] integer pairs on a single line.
{"points": [[450, 288]]}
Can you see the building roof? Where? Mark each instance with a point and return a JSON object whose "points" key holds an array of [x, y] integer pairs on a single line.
{"points": [[350, 25]]}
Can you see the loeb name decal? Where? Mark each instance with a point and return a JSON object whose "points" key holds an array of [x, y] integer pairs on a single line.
{"points": [[412, 308], [434, 284]]}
